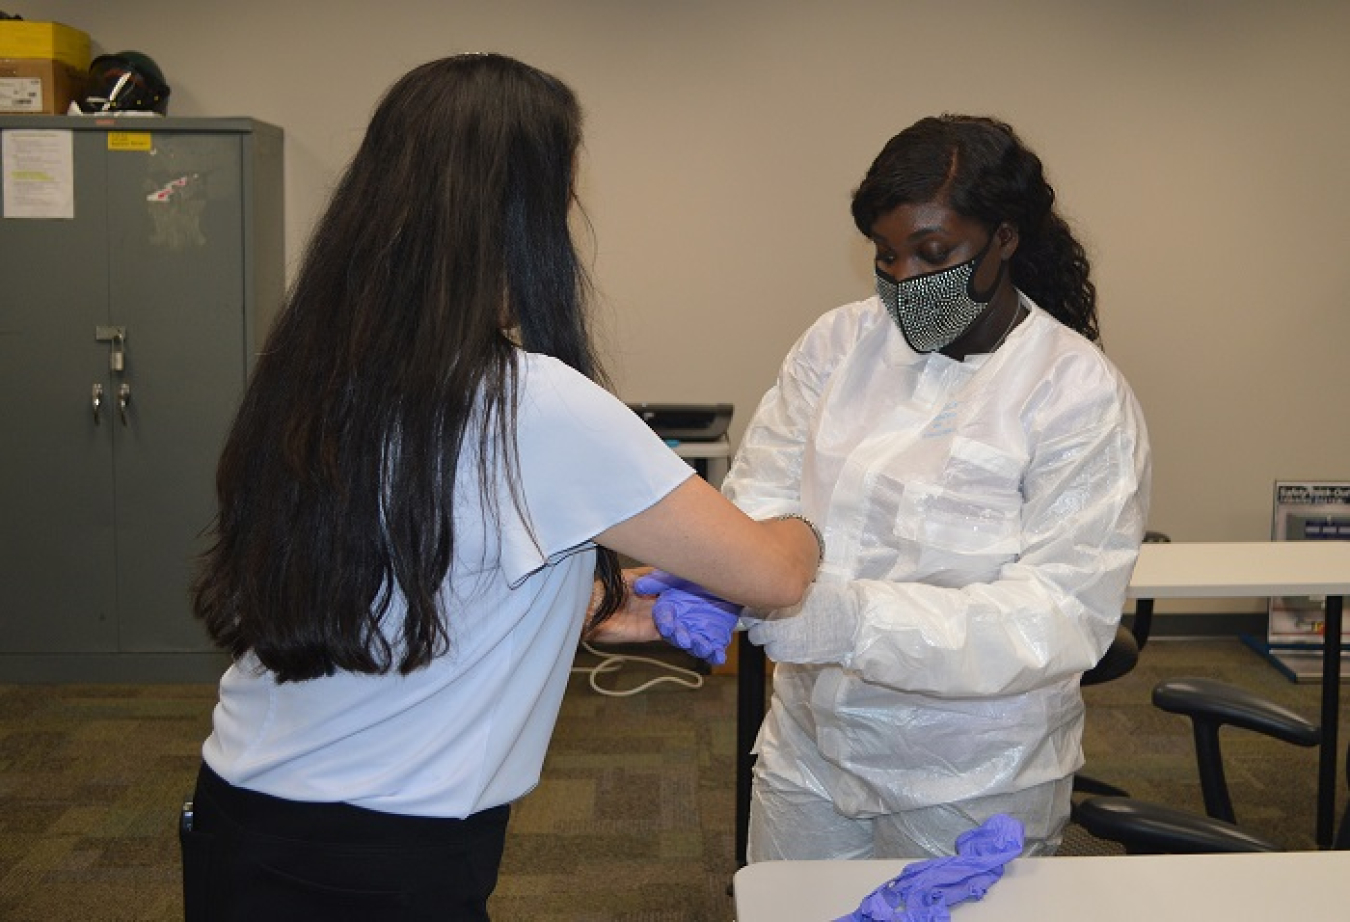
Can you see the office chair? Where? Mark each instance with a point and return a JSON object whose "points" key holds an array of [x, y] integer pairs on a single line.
{"points": [[1145, 828], [1119, 660]]}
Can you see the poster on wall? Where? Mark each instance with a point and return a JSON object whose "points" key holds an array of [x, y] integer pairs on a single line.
{"points": [[1305, 511]]}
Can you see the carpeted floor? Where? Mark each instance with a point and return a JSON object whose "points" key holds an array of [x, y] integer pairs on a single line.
{"points": [[631, 823]]}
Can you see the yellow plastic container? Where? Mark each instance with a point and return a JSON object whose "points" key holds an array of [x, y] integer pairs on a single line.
{"points": [[49, 41]]}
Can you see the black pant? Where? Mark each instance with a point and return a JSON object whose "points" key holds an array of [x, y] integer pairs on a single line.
{"points": [[248, 856]]}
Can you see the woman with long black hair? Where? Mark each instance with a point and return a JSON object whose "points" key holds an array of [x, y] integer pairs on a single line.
{"points": [[420, 500]]}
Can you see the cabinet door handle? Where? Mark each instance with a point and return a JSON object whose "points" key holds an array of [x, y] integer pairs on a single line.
{"points": [[123, 398], [98, 400]]}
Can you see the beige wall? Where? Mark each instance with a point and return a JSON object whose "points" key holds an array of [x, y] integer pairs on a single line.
{"points": [[1199, 147]]}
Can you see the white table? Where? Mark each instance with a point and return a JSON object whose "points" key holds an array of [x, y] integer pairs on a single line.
{"points": [[1307, 886], [1238, 569], [1164, 571]]}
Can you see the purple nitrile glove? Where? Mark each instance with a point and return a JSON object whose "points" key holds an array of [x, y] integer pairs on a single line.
{"points": [[690, 617], [925, 890]]}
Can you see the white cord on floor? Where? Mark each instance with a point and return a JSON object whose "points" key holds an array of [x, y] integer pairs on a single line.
{"points": [[613, 662]]}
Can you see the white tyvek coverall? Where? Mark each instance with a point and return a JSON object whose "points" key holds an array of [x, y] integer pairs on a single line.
{"points": [[981, 521]]}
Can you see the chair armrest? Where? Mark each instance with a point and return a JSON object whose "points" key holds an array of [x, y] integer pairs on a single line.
{"points": [[1220, 703], [1151, 829], [1119, 660]]}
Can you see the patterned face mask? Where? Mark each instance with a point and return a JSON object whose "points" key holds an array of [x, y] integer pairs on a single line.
{"points": [[934, 309]]}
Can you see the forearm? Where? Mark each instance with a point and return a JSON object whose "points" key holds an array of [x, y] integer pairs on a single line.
{"points": [[999, 638], [697, 534], [1042, 617]]}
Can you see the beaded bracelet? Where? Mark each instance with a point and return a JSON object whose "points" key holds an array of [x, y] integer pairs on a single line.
{"points": [[820, 539]]}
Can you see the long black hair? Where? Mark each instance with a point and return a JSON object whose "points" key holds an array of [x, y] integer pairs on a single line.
{"points": [[981, 169], [389, 359]]}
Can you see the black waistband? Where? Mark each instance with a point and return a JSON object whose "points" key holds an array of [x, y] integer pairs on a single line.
{"points": [[218, 800]]}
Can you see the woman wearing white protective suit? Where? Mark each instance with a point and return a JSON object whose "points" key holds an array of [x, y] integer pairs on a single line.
{"points": [[980, 472]]}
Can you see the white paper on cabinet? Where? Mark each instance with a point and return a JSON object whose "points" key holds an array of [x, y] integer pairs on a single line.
{"points": [[39, 173]]}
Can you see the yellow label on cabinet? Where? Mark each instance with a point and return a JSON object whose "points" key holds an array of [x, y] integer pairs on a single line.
{"points": [[129, 140]]}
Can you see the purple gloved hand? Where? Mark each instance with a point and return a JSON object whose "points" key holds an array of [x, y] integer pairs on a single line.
{"points": [[690, 617], [925, 890]]}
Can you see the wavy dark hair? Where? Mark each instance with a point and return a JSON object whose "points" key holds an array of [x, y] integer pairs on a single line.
{"points": [[388, 360], [981, 169]]}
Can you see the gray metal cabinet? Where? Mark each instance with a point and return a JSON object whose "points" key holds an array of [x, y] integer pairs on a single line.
{"points": [[126, 334]]}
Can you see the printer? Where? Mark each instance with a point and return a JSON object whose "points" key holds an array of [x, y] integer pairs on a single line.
{"points": [[696, 431]]}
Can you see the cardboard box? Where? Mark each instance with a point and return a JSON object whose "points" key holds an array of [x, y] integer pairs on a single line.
{"points": [[31, 86], [43, 67], [48, 41]]}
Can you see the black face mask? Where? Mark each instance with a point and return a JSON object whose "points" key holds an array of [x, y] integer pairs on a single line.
{"points": [[935, 308]]}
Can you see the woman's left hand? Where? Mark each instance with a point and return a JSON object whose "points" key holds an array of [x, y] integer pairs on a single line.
{"points": [[632, 623]]}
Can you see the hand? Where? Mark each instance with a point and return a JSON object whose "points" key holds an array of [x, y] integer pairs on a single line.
{"points": [[821, 629], [632, 622], [690, 617]]}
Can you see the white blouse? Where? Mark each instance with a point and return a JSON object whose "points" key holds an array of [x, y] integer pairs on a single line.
{"points": [[469, 731]]}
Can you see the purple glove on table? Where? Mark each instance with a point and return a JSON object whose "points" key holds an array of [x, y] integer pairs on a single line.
{"points": [[689, 616], [925, 890]]}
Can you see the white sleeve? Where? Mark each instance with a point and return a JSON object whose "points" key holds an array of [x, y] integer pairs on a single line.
{"points": [[587, 462], [1052, 612], [766, 475]]}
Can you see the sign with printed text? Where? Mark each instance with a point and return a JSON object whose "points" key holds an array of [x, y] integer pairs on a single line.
{"points": [[130, 140], [1306, 511], [39, 174]]}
